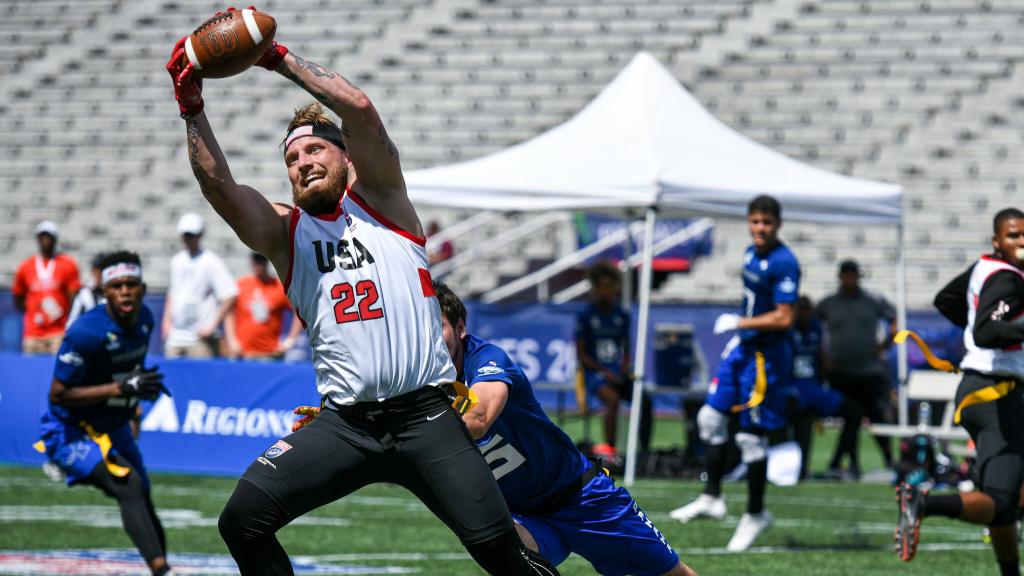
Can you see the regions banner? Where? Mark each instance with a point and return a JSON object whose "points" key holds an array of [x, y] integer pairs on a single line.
{"points": [[593, 227], [223, 415]]}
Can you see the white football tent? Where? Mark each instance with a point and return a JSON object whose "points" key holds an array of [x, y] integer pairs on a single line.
{"points": [[645, 143]]}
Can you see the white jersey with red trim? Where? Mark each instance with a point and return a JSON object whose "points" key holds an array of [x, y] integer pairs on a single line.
{"points": [[362, 288], [1002, 362]]}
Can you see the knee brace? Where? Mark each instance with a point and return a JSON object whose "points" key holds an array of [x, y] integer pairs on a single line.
{"points": [[713, 426], [1006, 506], [753, 447]]}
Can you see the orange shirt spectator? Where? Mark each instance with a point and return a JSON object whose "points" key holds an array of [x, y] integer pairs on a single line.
{"points": [[44, 286], [437, 253], [258, 316]]}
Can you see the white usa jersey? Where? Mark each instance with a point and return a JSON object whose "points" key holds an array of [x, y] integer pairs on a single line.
{"points": [[362, 288]]}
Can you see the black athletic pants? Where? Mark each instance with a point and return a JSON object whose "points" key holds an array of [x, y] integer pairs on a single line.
{"points": [[137, 513], [872, 394], [415, 440], [997, 428]]}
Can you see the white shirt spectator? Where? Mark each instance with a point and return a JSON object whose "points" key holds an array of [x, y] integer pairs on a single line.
{"points": [[198, 284], [87, 298]]}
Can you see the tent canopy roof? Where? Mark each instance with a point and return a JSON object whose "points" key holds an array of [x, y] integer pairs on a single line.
{"points": [[645, 141]]}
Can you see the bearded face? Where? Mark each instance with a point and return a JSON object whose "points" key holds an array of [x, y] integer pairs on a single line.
{"points": [[318, 171]]}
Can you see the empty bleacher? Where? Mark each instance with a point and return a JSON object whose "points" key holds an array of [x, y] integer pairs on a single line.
{"points": [[924, 93]]}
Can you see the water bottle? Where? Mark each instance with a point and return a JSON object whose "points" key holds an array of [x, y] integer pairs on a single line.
{"points": [[924, 417]]}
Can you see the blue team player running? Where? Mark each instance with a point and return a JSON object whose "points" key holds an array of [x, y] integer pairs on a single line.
{"points": [[97, 383], [753, 377], [809, 400], [561, 502]]}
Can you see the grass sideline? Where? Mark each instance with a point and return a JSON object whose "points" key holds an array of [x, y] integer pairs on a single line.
{"points": [[822, 528]]}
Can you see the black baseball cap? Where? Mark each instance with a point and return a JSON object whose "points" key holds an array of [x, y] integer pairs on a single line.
{"points": [[849, 266]]}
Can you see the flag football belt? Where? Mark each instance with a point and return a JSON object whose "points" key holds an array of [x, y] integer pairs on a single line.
{"points": [[462, 398], [563, 497], [982, 395], [979, 396], [103, 441], [760, 385]]}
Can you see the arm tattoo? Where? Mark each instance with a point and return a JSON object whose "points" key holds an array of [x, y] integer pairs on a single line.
{"points": [[318, 71], [193, 154], [315, 68], [386, 140], [323, 97]]}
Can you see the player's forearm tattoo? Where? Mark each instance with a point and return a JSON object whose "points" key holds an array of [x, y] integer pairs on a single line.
{"points": [[192, 128], [320, 72], [386, 140], [322, 97], [315, 68]]}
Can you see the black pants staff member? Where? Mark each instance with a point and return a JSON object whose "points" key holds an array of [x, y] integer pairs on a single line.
{"points": [[852, 316]]}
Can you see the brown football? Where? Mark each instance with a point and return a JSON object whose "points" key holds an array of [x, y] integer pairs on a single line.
{"points": [[230, 42]]}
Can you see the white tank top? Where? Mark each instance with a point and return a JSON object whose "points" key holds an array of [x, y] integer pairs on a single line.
{"points": [[1002, 362], [361, 287]]}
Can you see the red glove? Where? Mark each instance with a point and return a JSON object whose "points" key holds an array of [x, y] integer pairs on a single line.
{"points": [[308, 413], [188, 89], [272, 57]]}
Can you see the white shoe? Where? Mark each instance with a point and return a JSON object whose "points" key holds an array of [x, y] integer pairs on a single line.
{"points": [[749, 528], [704, 506], [53, 472]]}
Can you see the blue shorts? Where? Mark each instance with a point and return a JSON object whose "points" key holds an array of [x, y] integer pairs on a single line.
{"points": [[811, 396], [737, 375], [607, 528], [70, 448]]}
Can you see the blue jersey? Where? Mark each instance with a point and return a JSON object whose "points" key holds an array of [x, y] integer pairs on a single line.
{"points": [[94, 350], [605, 336], [530, 457], [768, 280], [806, 345]]}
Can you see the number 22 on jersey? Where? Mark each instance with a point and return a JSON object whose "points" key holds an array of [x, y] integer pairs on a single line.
{"points": [[365, 292]]}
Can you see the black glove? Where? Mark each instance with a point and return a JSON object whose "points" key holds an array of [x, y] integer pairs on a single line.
{"points": [[146, 384]]}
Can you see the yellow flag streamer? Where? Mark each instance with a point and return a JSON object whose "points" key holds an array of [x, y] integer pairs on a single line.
{"points": [[581, 392], [103, 441], [982, 395], [933, 360], [760, 385], [465, 398]]}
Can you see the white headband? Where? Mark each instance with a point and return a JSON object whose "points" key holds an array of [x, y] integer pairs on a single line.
{"points": [[120, 270], [327, 133]]}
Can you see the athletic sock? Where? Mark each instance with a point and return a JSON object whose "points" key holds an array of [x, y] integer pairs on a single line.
{"points": [[948, 505], [1009, 568], [714, 462], [757, 481]]}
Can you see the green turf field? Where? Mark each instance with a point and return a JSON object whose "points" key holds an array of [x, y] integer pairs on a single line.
{"points": [[821, 528]]}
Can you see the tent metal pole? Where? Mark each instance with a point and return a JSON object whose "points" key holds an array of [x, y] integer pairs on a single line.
{"points": [[901, 318], [627, 276], [640, 350]]}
